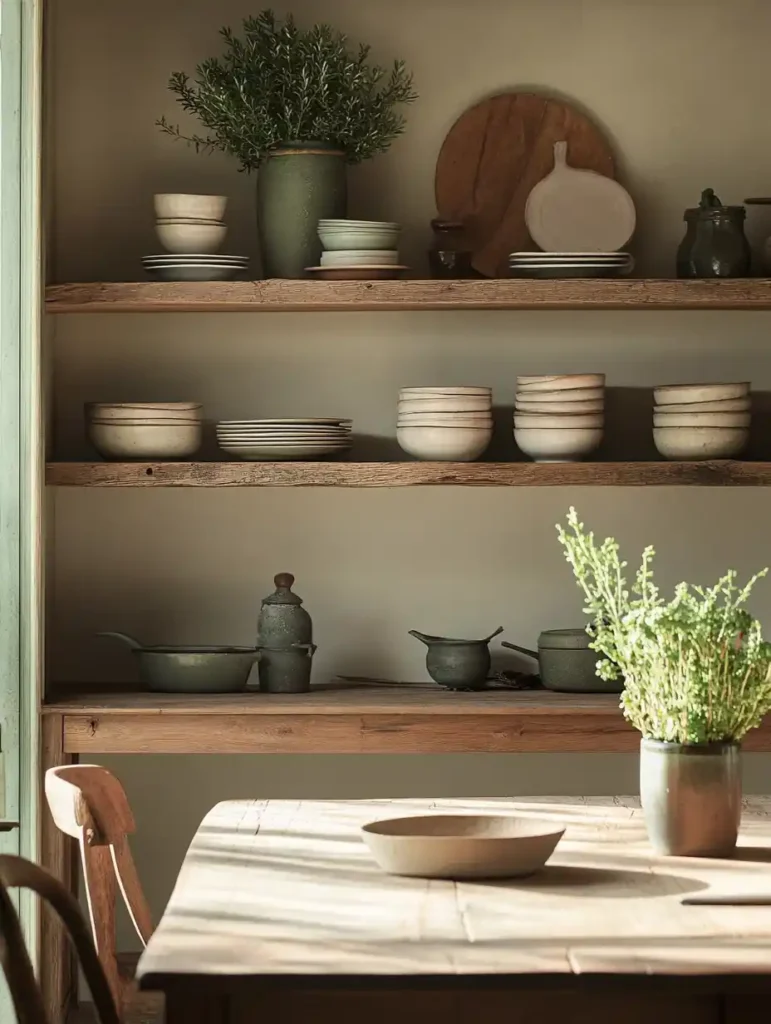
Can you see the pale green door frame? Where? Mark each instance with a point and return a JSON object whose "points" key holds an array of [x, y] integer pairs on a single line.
{"points": [[21, 470]]}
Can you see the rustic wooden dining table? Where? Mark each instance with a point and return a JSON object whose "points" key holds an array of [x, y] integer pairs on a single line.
{"points": [[280, 914]]}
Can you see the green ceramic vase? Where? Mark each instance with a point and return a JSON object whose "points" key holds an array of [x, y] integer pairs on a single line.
{"points": [[691, 797], [298, 185]]}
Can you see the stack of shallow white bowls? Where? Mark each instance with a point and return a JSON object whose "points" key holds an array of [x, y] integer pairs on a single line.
{"points": [[145, 430], [701, 421], [559, 417], [191, 229], [445, 424], [284, 439], [359, 244]]}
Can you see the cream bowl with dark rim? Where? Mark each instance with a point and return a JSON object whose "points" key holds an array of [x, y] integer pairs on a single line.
{"points": [[461, 846]]}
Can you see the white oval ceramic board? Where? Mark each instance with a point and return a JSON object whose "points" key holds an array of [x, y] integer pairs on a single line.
{"points": [[579, 211]]}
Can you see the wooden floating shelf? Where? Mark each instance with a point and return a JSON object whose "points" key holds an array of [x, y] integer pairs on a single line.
{"points": [[319, 296], [408, 474], [409, 719]]}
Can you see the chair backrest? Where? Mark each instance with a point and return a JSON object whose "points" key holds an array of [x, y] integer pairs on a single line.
{"points": [[25, 994], [88, 803]]}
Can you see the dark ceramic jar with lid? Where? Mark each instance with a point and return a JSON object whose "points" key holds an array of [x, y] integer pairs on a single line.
{"points": [[715, 244], [450, 254], [284, 640]]}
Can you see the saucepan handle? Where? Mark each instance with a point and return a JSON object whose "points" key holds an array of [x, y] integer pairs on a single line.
{"points": [[522, 650]]}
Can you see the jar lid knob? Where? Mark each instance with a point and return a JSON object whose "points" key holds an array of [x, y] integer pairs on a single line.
{"points": [[284, 581]]}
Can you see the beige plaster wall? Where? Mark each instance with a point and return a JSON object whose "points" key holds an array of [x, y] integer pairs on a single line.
{"points": [[192, 565]]}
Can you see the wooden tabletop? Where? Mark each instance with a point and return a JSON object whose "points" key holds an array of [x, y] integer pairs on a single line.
{"points": [[287, 890]]}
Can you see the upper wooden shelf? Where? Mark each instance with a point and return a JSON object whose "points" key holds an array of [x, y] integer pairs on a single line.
{"points": [[408, 474], [317, 296]]}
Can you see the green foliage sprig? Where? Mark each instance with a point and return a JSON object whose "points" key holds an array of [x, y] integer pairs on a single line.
{"points": [[697, 669], [278, 84]]}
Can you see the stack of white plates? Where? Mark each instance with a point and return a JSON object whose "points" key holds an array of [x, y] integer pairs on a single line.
{"points": [[702, 421], [570, 264], [559, 417], [195, 267], [358, 250], [445, 424], [284, 439]]}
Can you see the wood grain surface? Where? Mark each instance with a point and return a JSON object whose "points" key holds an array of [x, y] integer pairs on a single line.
{"points": [[349, 721], [320, 296], [288, 890], [408, 474], [493, 157]]}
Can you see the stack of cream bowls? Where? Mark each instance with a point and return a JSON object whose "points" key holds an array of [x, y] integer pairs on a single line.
{"points": [[694, 422], [559, 417], [191, 230], [145, 430], [280, 440], [445, 424]]}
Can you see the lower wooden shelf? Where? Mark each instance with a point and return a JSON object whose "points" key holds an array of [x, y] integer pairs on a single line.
{"points": [[408, 474], [348, 720]]}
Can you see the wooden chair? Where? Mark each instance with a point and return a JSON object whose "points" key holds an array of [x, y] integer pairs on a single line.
{"points": [[25, 994], [88, 803]]}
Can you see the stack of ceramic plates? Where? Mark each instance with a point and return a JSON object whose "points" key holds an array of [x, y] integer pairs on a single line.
{"points": [[195, 267], [284, 439], [570, 264], [358, 250]]}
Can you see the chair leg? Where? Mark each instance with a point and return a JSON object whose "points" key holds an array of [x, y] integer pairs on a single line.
{"points": [[57, 979]]}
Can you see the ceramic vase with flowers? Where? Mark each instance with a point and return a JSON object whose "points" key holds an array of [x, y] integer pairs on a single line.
{"points": [[300, 106], [697, 678]]}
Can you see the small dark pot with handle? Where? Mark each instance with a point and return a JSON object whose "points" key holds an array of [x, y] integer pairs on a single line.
{"points": [[457, 664], [567, 664]]}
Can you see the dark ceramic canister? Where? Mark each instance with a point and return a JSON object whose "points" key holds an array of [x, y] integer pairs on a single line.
{"points": [[715, 244], [299, 184], [691, 797], [449, 257], [285, 640]]}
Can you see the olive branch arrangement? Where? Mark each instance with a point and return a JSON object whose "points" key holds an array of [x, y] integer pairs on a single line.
{"points": [[697, 669], [277, 84]]}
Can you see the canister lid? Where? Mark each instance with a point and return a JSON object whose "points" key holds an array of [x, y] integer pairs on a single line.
{"points": [[283, 592], [564, 639]]}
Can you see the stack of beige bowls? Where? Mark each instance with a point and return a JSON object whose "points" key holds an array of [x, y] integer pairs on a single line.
{"points": [[559, 417], [694, 422], [145, 430], [445, 424]]}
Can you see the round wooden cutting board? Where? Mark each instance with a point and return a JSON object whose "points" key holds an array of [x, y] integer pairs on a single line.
{"points": [[492, 158]]}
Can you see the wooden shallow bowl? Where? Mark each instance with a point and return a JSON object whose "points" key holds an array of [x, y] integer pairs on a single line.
{"points": [[458, 846]]}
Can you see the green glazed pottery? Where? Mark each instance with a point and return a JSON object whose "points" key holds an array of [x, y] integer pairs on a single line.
{"points": [[298, 185], [715, 244], [167, 669], [284, 640], [567, 664], [691, 797], [457, 664]]}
